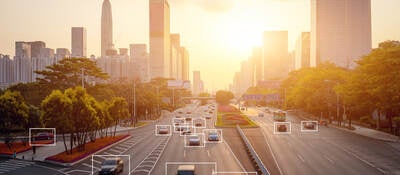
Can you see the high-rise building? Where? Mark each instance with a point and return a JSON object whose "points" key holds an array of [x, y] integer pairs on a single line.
{"points": [[22, 62], [275, 54], [302, 53], [340, 31], [185, 63], [36, 46], [45, 58], [6, 71], [197, 83], [176, 57], [140, 60], [78, 42], [160, 43], [106, 28], [62, 53], [256, 62]]}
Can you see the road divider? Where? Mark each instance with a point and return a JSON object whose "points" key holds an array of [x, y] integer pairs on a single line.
{"points": [[253, 153]]}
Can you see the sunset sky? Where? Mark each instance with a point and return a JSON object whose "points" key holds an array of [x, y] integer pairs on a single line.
{"points": [[218, 34]]}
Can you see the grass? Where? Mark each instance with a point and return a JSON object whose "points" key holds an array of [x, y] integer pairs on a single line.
{"points": [[230, 116], [90, 148]]}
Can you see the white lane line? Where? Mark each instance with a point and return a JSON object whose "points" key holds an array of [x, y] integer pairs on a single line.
{"points": [[184, 153], [356, 156], [208, 153], [329, 159], [270, 148], [90, 166], [96, 161], [301, 158]]}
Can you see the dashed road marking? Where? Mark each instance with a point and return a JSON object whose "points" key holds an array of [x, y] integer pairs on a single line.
{"points": [[301, 158]]}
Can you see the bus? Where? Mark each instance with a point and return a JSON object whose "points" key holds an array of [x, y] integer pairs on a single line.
{"points": [[279, 116]]}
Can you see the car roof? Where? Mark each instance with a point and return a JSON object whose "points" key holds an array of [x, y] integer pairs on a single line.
{"points": [[185, 167]]}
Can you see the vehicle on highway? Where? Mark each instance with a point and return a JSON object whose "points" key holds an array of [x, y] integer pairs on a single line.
{"points": [[188, 119], [309, 125], [179, 128], [194, 141], [163, 130], [186, 170], [186, 130], [282, 128], [112, 166], [260, 114], [43, 136], [213, 136], [208, 117], [323, 122], [279, 116]]}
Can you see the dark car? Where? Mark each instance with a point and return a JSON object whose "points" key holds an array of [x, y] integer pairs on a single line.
{"points": [[282, 128], [309, 125], [112, 166], [43, 136], [213, 136]]}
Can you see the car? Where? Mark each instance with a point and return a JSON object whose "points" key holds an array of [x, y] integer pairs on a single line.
{"points": [[180, 112], [112, 166], [261, 114], [43, 136], [163, 130], [213, 136], [208, 117], [186, 170], [210, 112], [186, 131], [309, 125], [282, 128], [188, 119], [194, 141], [188, 112], [198, 124]]}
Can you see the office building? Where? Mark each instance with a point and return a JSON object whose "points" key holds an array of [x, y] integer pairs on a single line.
{"points": [[140, 59], [106, 28], [22, 62], [62, 53], [197, 84], [302, 52], [275, 55], [160, 46], [340, 31], [78, 42], [185, 64]]}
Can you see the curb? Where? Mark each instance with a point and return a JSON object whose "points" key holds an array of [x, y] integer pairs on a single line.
{"points": [[347, 130], [78, 161]]}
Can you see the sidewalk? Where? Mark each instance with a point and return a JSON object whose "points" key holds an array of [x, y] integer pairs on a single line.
{"points": [[360, 130]]}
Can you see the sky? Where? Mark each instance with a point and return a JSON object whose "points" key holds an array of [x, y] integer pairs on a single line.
{"points": [[218, 34]]}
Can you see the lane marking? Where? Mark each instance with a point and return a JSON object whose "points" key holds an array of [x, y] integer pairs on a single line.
{"points": [[301, 158], [208, 153], [184, 153], [329, 159]]}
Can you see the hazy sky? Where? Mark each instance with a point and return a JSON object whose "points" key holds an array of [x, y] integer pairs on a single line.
{"points": [[219, 34]]}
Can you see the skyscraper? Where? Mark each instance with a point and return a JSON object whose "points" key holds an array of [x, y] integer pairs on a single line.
{"points": [[185, 63], [302, 53], [160, 43], [340, 31], [197, 83], [140, 59], [275, 54], [106, 28], [78, 42]]}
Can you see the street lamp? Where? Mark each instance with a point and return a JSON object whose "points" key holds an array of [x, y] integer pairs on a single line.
{"points": [[337, 103]]}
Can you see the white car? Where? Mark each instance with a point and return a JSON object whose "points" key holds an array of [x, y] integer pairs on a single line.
{"points": [[194, 141]]}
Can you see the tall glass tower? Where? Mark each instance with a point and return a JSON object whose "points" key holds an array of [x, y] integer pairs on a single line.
{"points": [[106, 28]]}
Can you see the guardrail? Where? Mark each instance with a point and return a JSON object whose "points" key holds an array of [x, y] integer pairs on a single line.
{"points": [[253, 153]]}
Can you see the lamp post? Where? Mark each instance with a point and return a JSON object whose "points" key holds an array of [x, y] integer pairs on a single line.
{"points": [[337, 103]]}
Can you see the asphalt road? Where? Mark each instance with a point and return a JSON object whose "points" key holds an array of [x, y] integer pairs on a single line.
{"points": [[147, 152], [328, 151]]}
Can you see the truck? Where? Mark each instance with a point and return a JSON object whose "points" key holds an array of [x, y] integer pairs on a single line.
{"points": [[279, 116]]}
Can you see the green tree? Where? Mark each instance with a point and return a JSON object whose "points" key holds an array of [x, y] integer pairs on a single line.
{"points": [[223, 97], [14, 115], [68, 73], [33, 92], [56, 112], [118, 110]]}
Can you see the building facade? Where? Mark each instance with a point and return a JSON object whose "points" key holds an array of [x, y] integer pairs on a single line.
{"points": [[106, 28], [275, 55], [78, 42], [160, 43], [302, 53], [140, 58], [340, 31]]}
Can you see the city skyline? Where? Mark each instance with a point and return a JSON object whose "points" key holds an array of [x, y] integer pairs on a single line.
{"points": [[204, 44]]}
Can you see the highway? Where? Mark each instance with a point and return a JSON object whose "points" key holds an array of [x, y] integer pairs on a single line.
{"points": [[328, 151], [147, 152]]}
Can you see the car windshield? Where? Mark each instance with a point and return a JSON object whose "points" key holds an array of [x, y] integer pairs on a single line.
{"points": [[194, 137], [110, 162], [185, 173]]}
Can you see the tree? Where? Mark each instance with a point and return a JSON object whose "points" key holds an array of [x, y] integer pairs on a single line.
{"points": [[56, 109], [68, 73], [118, 110], [13, 115], [33, 92], [223, 97]]}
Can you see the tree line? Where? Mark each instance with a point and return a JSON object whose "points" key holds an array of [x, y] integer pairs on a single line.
{"points": [[371, 87]]}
